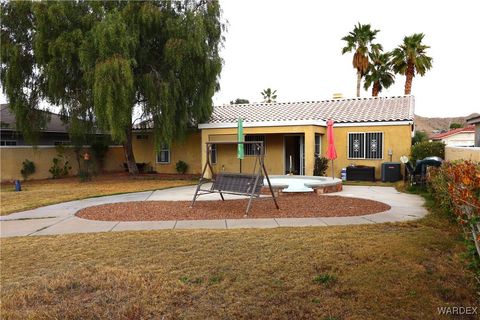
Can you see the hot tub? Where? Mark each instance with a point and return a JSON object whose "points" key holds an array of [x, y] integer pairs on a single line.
{"points": [[294, 184]]}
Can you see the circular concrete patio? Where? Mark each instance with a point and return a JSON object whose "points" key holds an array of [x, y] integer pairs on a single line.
{"points": [[61, 219]]}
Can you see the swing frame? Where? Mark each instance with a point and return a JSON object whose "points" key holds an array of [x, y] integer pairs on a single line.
{"points": [[235, 183]]}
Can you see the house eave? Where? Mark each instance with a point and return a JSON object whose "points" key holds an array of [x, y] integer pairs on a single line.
{"points": [[320, 123]]}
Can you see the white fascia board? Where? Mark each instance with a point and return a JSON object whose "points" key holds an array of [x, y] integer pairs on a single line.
{"points": [[263, 124], [373, 124], [300, 123]]}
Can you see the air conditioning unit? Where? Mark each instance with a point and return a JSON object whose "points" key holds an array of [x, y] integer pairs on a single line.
{"points": [[391, 172]]}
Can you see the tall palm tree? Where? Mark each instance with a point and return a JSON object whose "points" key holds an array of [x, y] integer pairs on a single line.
{"points": [[269, 96], [379, 74], [410, 58], [360, 40]]}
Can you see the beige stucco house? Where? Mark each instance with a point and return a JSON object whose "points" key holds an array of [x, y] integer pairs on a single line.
{"points": [[368, 131]]}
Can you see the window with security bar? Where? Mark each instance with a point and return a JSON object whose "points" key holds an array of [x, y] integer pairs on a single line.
{"points": [[250, 149], [163, 156], [318, 145], [213, 154], [365, 145]]}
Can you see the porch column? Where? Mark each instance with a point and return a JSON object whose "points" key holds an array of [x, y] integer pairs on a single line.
{"points": [[309, 151], [203, 150]]}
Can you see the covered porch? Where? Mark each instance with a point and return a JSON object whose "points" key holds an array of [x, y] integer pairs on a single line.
{"points": [[288, 149]]}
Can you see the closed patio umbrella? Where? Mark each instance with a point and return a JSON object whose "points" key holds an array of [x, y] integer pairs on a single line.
{"points": [[240, 147], [331, 151]]}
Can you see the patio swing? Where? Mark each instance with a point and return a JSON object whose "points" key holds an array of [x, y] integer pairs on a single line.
{"points": [[236, 183]]}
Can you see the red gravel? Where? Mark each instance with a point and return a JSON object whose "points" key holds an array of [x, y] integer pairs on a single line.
{"points": [[290, 206]]}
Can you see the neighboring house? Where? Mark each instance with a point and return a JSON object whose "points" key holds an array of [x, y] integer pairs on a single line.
{"points": [[475, 120], [14, 149], [460, 137], [367, 131], [54, 133]]}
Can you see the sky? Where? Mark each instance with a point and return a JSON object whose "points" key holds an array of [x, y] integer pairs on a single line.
{"points": [[295, 48]]}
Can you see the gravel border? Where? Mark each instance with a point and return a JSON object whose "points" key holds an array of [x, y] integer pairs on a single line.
{"points": [[298, 206]]}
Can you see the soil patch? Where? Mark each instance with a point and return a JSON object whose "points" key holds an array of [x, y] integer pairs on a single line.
{"points": [[299, 206]]}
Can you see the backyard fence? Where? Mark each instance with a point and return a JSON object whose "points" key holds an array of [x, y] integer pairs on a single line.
{"points": [[462, 153], [11, 159]]}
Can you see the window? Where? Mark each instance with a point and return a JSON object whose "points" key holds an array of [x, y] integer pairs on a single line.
{"points": [[213, 153], [251, 149], [61, 143], [365, 145], [318, 145], [163, 156], [8, 143]]}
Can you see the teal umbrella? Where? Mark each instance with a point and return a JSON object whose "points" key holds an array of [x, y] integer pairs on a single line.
{"points": [[240, 152], [240, 149]]}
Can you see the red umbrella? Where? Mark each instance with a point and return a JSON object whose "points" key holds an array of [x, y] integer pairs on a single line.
{"points": [[331, 152]]}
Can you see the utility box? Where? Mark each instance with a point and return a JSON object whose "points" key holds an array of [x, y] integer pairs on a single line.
{"points": [[391, 172], [360, 173]]}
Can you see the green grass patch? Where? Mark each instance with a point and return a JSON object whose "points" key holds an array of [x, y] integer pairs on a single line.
{"points": [[324, 279]]}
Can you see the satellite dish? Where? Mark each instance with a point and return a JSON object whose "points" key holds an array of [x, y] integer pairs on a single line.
{"points": [[403, 159]]}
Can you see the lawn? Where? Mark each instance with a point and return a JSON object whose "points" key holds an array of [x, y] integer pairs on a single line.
{"points": [[384, 271], [44, 192]]}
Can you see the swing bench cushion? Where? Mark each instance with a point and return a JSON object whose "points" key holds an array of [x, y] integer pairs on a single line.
{"points": [[238, 183]]}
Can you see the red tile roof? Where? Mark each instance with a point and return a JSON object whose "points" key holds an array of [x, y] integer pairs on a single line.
{"points": [[452, 132]]}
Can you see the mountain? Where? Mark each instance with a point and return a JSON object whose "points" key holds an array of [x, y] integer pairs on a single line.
{"points": [[435, 125]]}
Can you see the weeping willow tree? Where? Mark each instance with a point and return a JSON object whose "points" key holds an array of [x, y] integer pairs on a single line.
{"points": [[106, 61]]}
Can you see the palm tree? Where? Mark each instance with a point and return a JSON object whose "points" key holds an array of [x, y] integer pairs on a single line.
{"points": [[360, 40], [269, 96], [410, 58], [379, 73]]}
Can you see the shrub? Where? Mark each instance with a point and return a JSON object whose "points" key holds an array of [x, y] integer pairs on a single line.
{"points": [[456, 189], [84, 175], [60, 167], [427, 149], [99, 150], [28, 168], [455, 125], [321, 165], [181, 167], [420, 136]]}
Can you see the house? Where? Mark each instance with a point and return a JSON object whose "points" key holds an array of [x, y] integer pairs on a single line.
{"points": [[14, 149], [368, 131], [54, 133], [460, 137], [475, 121]]}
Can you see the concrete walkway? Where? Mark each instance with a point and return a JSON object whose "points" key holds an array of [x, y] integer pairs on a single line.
{"points": [[61, 219]]}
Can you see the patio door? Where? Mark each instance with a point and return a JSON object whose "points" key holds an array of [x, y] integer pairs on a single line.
{"points": [[302, 155], [294, 154]]}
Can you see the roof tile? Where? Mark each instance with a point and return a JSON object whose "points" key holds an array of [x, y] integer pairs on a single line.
{"points": [[340, 110]]}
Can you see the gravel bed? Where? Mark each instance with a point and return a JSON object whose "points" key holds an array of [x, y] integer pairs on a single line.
{"points": [[299, 206]]}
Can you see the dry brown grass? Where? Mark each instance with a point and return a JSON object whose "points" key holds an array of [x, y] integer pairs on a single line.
{"points": [[44, 192], [386, 271]]}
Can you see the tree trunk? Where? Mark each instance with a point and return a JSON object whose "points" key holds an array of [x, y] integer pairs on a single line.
{"points": [[375, 89], [129, 156], [359, 81], [409, 78]]}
